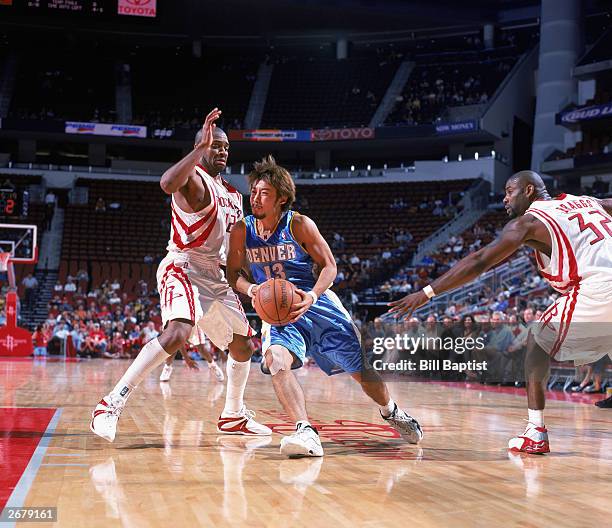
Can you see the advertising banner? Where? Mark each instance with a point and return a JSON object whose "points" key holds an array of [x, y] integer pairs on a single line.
{"points": [[586, 113], [105, 129], [142, 8], [269, 135]]}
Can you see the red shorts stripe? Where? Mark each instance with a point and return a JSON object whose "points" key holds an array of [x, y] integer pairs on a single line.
{"points": [[181, 276], [563, 330]]}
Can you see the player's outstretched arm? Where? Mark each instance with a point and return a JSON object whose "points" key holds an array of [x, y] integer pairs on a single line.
{"points": [[309, 237], [177, 176], [516, 233], [236, 257]]}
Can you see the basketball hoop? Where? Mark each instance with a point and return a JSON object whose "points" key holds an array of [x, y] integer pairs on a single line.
{"points": [[4, 261]]}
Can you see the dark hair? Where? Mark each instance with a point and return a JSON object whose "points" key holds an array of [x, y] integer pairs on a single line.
{"points": [[277, 176]]}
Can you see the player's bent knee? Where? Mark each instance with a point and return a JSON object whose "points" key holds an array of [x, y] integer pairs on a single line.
{"points": [[278, 358], [175, 335]]}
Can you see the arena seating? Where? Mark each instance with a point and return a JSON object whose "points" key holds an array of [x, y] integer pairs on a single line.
{"points": [[326, 92], [64, 81], [450, 79], [191, 87], [113, 243]]}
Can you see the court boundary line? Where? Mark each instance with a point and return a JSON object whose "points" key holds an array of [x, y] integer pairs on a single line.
{"points": [[24, 485]]}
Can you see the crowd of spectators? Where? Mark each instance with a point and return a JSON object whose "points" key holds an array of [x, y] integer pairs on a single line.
{"points": [[499, 338], [433, 88]]}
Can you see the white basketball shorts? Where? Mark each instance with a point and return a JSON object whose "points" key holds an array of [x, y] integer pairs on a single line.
{"points": [[199, 292], [578, 325]]}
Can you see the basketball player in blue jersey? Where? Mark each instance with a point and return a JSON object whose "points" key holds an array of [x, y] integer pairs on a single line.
{"points": [[277, 242]]}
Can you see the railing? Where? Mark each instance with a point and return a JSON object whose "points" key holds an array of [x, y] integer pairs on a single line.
{"points": [[504, 276], [475, 203]]}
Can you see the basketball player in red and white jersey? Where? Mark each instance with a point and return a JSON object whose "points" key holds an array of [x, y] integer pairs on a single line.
{"points": [[572, 238], [194, 293]]}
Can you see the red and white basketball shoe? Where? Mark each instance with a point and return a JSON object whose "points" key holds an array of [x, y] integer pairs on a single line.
{"points": [[242, 423], [534, 440], [105, 416]]}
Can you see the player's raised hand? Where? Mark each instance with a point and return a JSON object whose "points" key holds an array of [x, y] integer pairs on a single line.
{"points": [[302, 307], [208, 129], [406, 305]]}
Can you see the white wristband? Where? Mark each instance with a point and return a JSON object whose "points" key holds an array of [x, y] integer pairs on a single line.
{"points": [[250, 290], [313, 295], [428, 290]]}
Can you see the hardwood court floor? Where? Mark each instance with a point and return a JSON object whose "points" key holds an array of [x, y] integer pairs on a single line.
{"points": [[169, 467]]}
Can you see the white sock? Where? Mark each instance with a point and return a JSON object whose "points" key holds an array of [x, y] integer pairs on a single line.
{"points": [[237, 375], [387, 410], [151, 356], [536, 417]]}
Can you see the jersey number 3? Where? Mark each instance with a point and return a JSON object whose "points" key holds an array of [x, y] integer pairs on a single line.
{"points": [[276, 271], [591, 225]]}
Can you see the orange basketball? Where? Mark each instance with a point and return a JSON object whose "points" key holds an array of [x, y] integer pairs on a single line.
{"points": [[275, 300]]}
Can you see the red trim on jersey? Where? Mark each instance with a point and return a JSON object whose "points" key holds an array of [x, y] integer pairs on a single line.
{"points": [[559, 276], [203, 237], [562, 196], [564, 328], [230, 187], [573, 263], [190, 229]]}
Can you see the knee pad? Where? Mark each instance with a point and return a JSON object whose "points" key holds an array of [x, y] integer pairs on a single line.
{"points": [[278, 359]]}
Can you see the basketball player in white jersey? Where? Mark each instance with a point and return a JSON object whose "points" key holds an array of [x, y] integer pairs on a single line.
{"points": [[192, 286], [572, 238]]}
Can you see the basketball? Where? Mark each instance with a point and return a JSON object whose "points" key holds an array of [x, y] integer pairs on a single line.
{"points": [[275, 300]]}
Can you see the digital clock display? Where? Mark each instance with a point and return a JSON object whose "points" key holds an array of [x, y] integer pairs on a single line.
{"points": [[13, 203]]}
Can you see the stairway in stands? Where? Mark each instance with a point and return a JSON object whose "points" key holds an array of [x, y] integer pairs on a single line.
{"points": [[39, 312]]}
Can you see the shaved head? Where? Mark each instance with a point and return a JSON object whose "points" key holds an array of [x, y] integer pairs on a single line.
{"points": [[528, 177], [217, 133], [522, 189]]}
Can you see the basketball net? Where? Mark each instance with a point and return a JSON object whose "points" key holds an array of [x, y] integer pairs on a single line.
{"points": [[6, 266]]}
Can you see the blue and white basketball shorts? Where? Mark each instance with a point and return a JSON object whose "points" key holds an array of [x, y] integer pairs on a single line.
{"points": [[326, 331]]}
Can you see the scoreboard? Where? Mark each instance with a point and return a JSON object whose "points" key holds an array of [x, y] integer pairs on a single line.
{"points": [[74, 6], [14, 203], [102, 8]]}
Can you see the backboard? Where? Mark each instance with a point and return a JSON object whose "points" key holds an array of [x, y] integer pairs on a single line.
{"points": [[21, 240]]}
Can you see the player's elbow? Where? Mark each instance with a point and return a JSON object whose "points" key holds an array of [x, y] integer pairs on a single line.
{"points": [[332, 269], [166, 184]]}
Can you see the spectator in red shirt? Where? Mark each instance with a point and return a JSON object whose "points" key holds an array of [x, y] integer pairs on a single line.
{"points": [[40, 339]]}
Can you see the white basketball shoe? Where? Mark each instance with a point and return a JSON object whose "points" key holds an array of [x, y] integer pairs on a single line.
{"points": [[242, 423], [534, 440], [166, 373], [305, 442], [105, 416], [405, 424]]}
